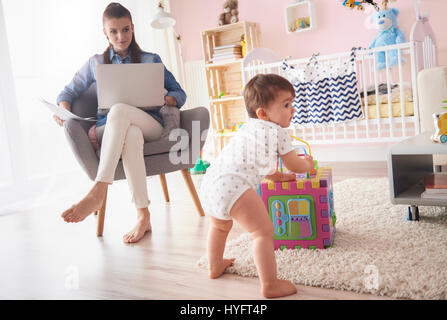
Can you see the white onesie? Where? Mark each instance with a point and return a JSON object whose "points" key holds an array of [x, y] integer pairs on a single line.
{"points": [[243, 163]]}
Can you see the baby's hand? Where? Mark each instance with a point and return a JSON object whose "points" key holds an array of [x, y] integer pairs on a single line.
{"points": [[281, 176], [310, 162]]}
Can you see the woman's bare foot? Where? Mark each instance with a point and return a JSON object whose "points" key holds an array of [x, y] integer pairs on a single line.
{"points": [[92, 202], [216, 270], [278, 288], [143, 225]]}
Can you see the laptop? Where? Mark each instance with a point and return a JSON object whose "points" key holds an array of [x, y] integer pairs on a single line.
{"points": [[137, 84]]}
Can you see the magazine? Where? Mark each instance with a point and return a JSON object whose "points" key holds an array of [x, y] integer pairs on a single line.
{"points": [[426, 195], [64, 114]]}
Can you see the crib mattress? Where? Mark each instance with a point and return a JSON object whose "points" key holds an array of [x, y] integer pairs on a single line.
{"points": [[396, 109], [394, 96]]}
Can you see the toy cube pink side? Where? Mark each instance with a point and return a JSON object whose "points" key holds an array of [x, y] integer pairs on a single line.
{"points": [[302, 211]]}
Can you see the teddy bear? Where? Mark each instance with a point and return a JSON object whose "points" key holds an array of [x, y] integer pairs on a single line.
{"points": [[230, 13], [386, 22]]}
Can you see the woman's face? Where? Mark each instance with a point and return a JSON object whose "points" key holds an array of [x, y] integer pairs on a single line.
{"points": [[119, 32]]}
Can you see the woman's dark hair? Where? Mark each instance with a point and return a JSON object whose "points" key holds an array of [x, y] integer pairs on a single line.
{"points": [[117, 11]]}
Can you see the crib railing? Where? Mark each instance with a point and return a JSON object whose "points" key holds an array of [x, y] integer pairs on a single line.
{"points": [[392, 116]]}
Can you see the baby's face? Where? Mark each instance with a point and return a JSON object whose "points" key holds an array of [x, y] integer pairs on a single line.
{"points": [[280, 110]]}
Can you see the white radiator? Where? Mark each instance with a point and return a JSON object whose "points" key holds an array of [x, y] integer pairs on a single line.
{"points": [[197, 92], [196, 88]]}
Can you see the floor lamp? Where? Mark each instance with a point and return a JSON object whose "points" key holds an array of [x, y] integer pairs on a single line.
{"points": [[164, 20]]}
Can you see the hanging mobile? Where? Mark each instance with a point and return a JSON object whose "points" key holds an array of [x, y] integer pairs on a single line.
{"points": [[373, 3], [359, 4]]}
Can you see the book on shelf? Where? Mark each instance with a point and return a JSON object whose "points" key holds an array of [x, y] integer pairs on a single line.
{"points": [[227, 54], [428, 195], [227, 51], [233, 45], [435, 186], [436, 181], [226, 57]]}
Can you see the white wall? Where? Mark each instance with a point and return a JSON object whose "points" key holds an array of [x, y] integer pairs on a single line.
{"points": [[49, 40]]}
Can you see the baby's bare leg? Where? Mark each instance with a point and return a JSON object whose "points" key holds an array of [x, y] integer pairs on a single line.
{"points": [[217, 236], [250, 212]]}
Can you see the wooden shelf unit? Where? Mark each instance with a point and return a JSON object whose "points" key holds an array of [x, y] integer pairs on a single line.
{"points": [[225, 76], [301, 11]]}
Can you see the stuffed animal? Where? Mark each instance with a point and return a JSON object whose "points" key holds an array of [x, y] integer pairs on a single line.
{"points": [[386, 22], [351, 4], [230, 13]]}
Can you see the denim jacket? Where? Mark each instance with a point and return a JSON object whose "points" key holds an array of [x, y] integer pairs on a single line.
{"points": [[83, 79]]}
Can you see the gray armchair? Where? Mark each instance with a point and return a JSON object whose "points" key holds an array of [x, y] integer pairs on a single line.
{"points": [[156, 153]]}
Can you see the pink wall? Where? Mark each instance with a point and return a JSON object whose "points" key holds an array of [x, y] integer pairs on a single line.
{"points": [[338, 29]]}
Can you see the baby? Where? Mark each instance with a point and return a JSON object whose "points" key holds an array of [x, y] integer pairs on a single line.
{"points": [[228, 188]]}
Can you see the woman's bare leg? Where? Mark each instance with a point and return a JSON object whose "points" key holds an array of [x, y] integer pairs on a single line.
{"points": [[249, 211], [90, 203], [143, 225], [135, 170], [119, 120]]}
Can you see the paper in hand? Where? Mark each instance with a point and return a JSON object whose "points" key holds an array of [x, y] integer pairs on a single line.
{"points": [[64, 114]]}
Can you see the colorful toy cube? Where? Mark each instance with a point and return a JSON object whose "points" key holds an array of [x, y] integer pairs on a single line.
{"points": [[302, 211]]}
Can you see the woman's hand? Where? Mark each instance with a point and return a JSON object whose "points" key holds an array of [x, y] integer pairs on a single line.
{"points": [[65, 105], [281, 176], [170, 101]]}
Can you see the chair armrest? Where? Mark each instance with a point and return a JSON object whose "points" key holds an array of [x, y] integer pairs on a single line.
{"points": [[196, 122], [200, 114], [81, 146]]}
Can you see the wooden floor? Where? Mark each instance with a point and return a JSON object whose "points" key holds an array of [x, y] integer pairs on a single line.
{"points": [[43, 257]]}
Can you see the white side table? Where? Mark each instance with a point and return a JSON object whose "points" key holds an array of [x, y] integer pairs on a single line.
{"points": [[408, 162]]}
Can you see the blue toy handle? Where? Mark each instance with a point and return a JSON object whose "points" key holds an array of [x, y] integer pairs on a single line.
{"points": [[279, 164], [304, 149]]}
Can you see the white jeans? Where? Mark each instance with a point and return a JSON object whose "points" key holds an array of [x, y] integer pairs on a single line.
{"points": [[124, 134]]}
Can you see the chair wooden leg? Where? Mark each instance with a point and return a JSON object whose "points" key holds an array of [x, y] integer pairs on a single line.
{"points": [[101, 215], [164, 186], [192, 191]]}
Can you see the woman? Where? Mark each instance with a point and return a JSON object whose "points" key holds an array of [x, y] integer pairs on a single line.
{"points": [[123, 131]]}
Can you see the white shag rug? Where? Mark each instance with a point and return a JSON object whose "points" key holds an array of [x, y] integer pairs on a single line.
{"points": [[376, 250]]}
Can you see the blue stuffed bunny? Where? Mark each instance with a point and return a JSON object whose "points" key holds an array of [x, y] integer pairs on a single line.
{"points": [[386, 22]]}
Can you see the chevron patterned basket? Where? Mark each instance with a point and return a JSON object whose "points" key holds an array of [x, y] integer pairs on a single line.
{"points": [[325, 94]]}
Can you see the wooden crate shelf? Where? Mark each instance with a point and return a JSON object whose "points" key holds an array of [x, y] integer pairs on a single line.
{"points": [[224, 77], [227, 113]]}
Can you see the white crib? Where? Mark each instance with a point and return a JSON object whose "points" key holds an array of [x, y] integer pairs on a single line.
{"points": [[387, 117]]}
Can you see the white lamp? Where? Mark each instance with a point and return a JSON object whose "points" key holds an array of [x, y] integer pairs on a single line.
{"points": [[162, 19]]}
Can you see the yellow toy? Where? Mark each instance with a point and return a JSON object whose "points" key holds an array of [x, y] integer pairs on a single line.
{"points": [[440, 126], [244, 46]]}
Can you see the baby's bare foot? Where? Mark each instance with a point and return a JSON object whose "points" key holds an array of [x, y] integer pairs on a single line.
{"points": [[278, 288], [92, 202], [216, 270], [135, 235]]}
